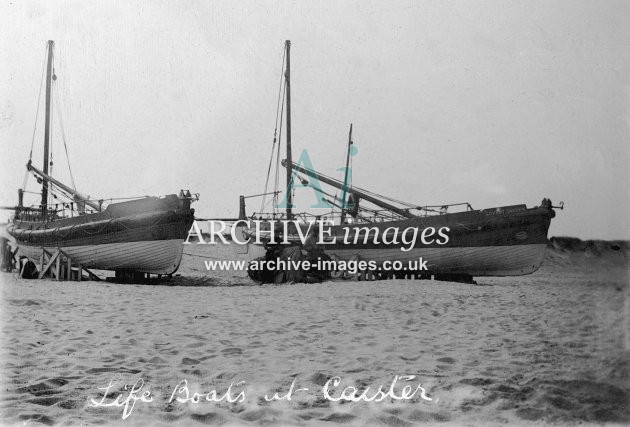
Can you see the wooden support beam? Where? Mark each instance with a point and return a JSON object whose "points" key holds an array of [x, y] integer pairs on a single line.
{"points": [[52, 259], [58, 268], [15, 257], [92, 275], [79, 269], [47, 260], [22, 267]]}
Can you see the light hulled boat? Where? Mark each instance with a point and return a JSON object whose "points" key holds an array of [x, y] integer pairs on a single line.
{"points": [[144, 235]]}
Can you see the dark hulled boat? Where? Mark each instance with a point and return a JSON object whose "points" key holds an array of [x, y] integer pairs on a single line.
{"points": [[134, 236], [501, 241], [505, 241]]}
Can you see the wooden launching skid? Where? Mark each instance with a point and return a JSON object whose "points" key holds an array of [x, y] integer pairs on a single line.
{"points": [[57, 268], [416, 275]]}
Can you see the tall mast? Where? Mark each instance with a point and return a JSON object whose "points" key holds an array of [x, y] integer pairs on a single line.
{"points": [[345, 178], [49, 72], [287, 79]]}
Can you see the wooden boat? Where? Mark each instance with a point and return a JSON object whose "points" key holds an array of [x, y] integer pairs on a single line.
{"points": [[500, 241], [134, 236]]}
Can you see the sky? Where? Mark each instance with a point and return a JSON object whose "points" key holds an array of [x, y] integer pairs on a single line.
{"points": [[491, 102]]}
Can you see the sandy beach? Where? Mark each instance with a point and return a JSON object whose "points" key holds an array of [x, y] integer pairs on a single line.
{"points": [[549, 348]]}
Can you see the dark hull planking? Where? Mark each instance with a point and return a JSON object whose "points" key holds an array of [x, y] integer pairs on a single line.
{"points": [[504, 226], [504, 241]]}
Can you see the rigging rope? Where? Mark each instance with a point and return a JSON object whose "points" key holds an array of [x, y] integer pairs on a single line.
{"points": [[273, 147], [63, 137], [279, 113], [39, 96], [376, 195], [277, 177]]}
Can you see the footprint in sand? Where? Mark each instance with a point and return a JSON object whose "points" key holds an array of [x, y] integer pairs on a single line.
{"points": [[319, 378], [338, 417], [477, 381], [44, 388], [261, 416], [530, 414], [232, 351], [189, 361], [428, 417], [392, 420], [121, 369], [209, 418], [71, 404], [43, 419], [410, 358], [45, 401]]}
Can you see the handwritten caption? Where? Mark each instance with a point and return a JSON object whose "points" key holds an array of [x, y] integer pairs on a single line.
{"points": [[332, 390]]}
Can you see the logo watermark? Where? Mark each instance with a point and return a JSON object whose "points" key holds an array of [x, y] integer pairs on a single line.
{"points": [[266, 232]]}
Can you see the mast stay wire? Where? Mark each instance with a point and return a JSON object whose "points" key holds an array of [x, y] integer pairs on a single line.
{"points": [[63, 138], [39, 97]]}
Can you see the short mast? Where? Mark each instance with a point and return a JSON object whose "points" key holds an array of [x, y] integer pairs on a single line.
{"points": [[287, 80], [49, 72], [344, 205]]}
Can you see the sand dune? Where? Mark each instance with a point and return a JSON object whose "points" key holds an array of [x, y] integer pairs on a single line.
{"points": [[549, 348]]}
